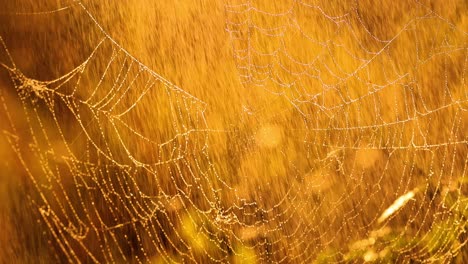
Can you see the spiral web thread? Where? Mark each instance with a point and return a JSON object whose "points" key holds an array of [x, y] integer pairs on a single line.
{"points": [[336, 69], [113, 188]]}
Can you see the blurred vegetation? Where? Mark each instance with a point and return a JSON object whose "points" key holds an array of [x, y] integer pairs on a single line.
{"points": [[271, 173]]}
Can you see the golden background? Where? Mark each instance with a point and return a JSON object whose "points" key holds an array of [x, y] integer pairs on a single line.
{"points": [[233, 131]]}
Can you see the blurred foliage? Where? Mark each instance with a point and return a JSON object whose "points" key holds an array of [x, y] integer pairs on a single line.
{"points": [[258, 171]]}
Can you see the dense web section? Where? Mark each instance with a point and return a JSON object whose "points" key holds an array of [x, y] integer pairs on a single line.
{"points": [[383, 105], [375, 169]]}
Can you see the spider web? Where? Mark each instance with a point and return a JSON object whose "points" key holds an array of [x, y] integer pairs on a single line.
{"points": [[369, 114], [123, 169]]}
